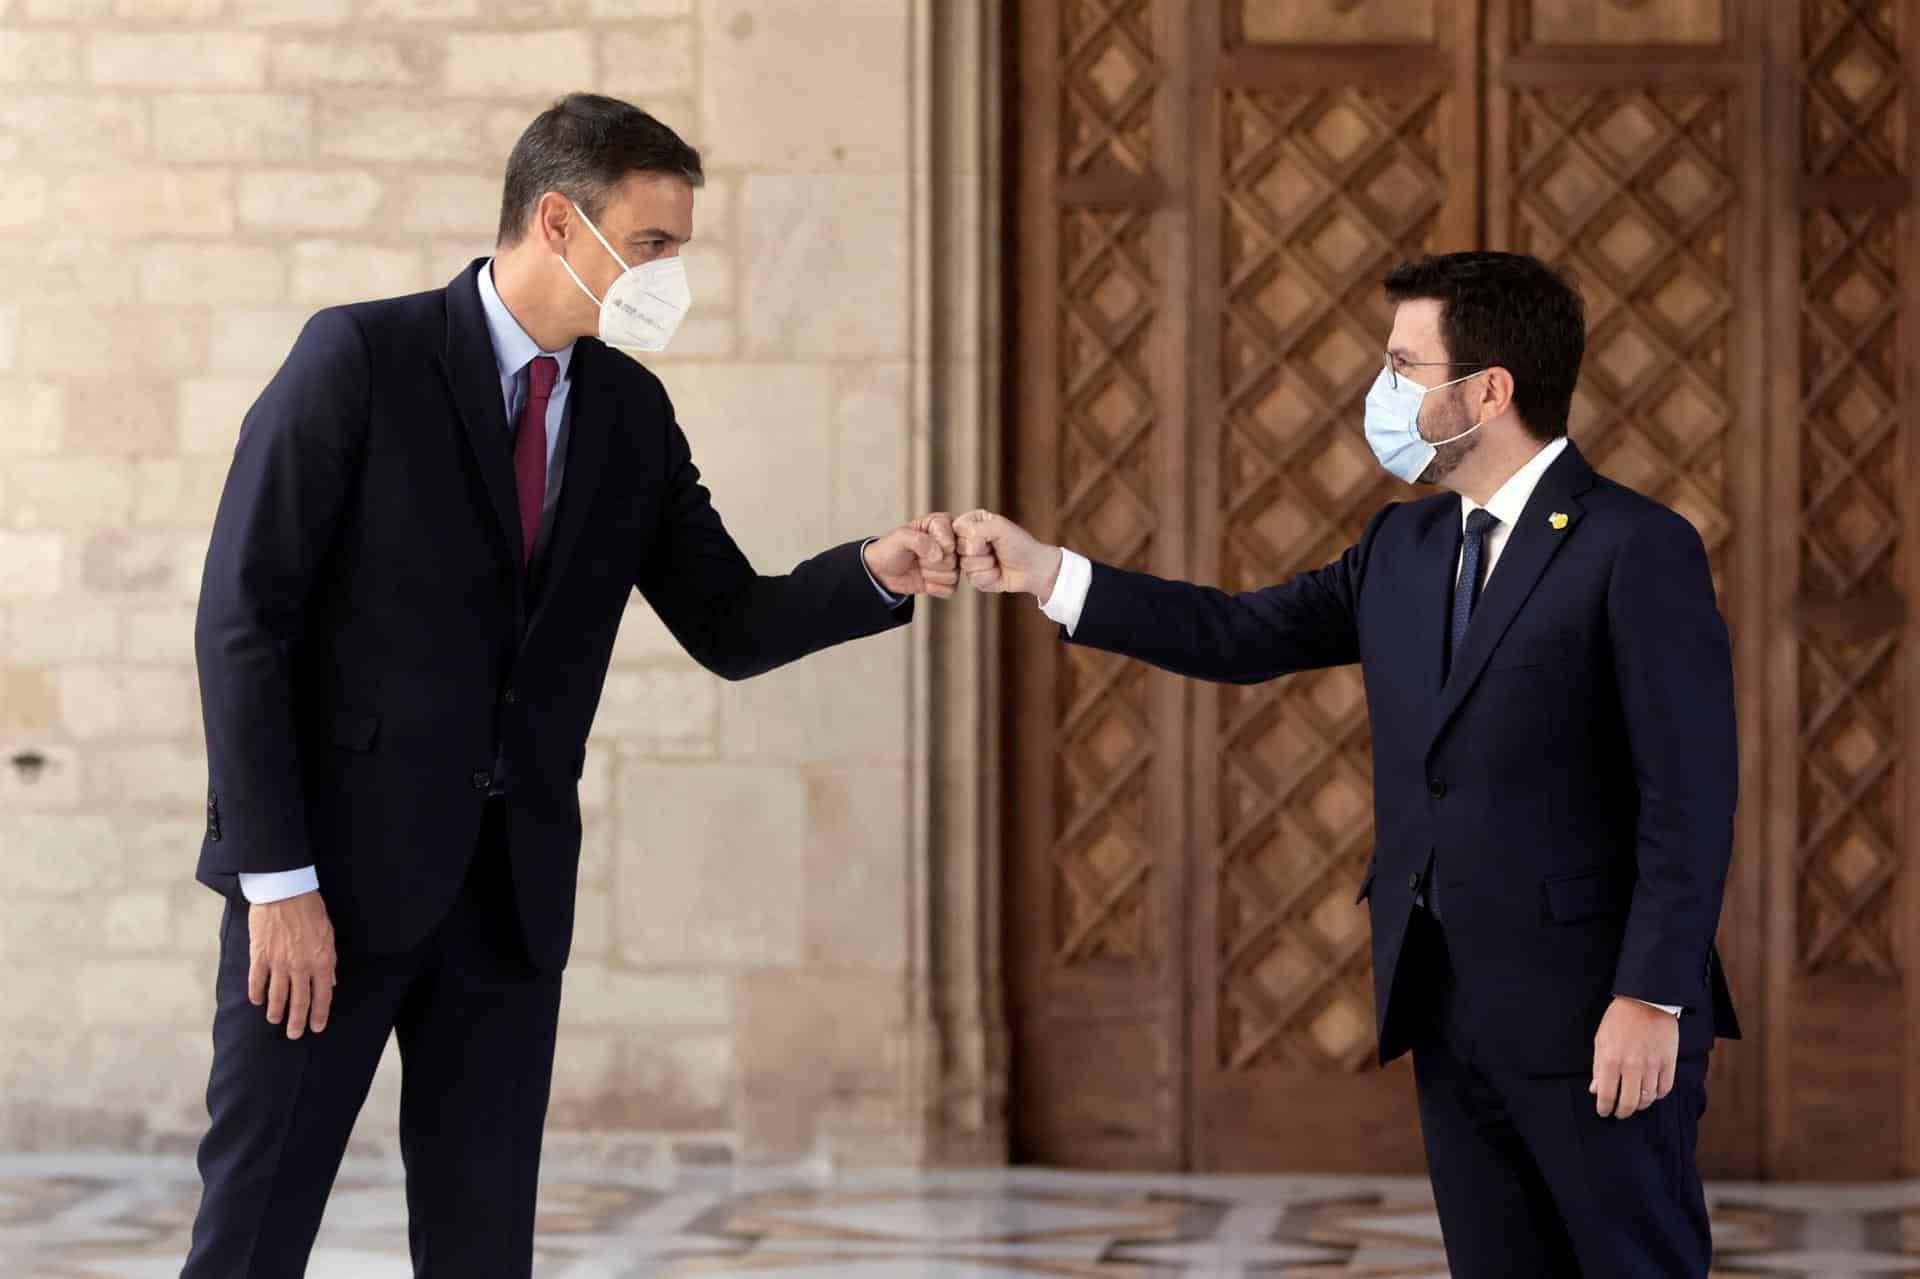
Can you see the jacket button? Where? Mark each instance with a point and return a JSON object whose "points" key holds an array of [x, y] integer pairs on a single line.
{"points": [[507, 696], [482, 781], [1437, 788], [1413, 882]]}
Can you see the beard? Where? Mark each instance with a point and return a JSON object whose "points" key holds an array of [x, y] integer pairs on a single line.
{"points": [[1448, 458]]}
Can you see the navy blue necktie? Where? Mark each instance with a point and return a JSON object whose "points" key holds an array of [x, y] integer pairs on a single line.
{"points": [[1466, 592]]}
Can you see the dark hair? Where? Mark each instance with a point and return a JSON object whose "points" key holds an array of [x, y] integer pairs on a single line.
{"points": [[1511, 310], [583, 146]]}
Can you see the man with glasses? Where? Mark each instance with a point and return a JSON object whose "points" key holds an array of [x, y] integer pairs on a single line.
{"points": [[1551, 692]]}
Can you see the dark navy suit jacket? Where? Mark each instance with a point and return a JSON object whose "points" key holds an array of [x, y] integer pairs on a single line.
{"points": [[369, 643], [1571, 778]]}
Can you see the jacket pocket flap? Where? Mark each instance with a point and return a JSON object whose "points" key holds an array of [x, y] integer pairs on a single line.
{"points": [[351, 729], [1587, 896]]}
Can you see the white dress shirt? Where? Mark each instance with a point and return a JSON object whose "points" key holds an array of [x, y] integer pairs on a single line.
{"points": [[1509, 502]]}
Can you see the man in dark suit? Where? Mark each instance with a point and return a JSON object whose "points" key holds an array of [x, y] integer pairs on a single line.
{"points": [[436, 514], [1551, 693]]}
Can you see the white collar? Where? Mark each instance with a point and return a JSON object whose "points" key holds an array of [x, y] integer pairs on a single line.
{"points": [[1509, 502]]}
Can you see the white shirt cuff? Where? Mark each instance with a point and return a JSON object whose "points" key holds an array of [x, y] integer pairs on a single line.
{"points": [[1668, 1009], [277, 886], [1069, 596]]}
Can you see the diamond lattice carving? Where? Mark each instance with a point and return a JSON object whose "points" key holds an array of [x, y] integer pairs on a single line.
{"points": [[1324, 193], [1108, 79], [1850, 419], [1850, 461], [1853, 96], [1102, 855], [1849, 852], [1850, 532], [1849, 515], [1630, 191]]}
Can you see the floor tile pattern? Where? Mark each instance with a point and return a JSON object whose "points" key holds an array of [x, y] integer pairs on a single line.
{"points": [[122, 1218]]}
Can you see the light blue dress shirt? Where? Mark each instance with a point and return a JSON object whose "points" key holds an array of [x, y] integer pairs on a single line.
{"points": [[513, 351]]}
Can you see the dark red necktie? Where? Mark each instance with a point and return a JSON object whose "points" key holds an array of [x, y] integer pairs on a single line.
{"points": [[530, 450]]}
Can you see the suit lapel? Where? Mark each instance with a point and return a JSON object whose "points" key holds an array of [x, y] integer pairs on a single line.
{"points": [[1530, 548], [1432, 595], [587, 429], [474, 378]]}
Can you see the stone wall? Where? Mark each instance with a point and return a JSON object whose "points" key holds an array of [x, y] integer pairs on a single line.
{"points": [[182, 182]]}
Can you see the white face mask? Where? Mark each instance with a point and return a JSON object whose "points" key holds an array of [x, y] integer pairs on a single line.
{"points": [[1393, 424], [644, 304]]}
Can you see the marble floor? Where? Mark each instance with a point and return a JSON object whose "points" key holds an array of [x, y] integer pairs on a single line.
{"points": [[119, 1218]]}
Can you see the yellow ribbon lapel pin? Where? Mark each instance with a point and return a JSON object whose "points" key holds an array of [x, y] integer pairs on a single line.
{"points": [[1558, 519]]}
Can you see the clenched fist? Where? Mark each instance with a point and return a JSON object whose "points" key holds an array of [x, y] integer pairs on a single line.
{"points": [[1000, 557], [916, 558]]}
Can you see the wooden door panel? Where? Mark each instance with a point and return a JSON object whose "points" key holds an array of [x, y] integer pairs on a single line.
{"points": [[1364, 22], [1843, 1012], [1095, 804], [1208, 196], [1324, 190], [1330, 165], [1611, 22]]}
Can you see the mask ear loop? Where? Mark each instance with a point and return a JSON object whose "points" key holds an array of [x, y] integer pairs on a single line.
{"points": [[1429, 391], [603, 239], [624, 268], [568, 268], [1452, 438]]}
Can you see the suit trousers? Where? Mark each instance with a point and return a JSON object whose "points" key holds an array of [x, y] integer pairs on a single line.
{"points": [[1530, 1182], [476, 1025]]}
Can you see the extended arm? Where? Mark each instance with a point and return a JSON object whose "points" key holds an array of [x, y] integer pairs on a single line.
{"points": [[1308, 622], [732, 620]]}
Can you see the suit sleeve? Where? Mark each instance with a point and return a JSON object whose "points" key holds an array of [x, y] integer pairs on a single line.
{"points": [[732, 620], [292, 470], [1674, 666], [1308, 622]]}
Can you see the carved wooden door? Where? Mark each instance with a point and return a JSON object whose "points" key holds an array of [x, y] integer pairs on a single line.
{"points": [[1840, 1037], [1097, 799], [1207, 197]]}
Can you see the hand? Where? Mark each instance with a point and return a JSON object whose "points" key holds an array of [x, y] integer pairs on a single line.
{"points": [[1634, 1056], [916, 558], [291, 968], [998, 556]]}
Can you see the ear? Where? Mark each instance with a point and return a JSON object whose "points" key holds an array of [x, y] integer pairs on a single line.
{"points": [[552, 218], [1496, 394]]}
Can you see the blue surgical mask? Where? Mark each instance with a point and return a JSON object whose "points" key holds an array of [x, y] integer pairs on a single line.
{"points": [[1393, 424]]}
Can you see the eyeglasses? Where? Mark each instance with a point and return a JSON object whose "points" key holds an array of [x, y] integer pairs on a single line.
{"points": [[1396, 368]]}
